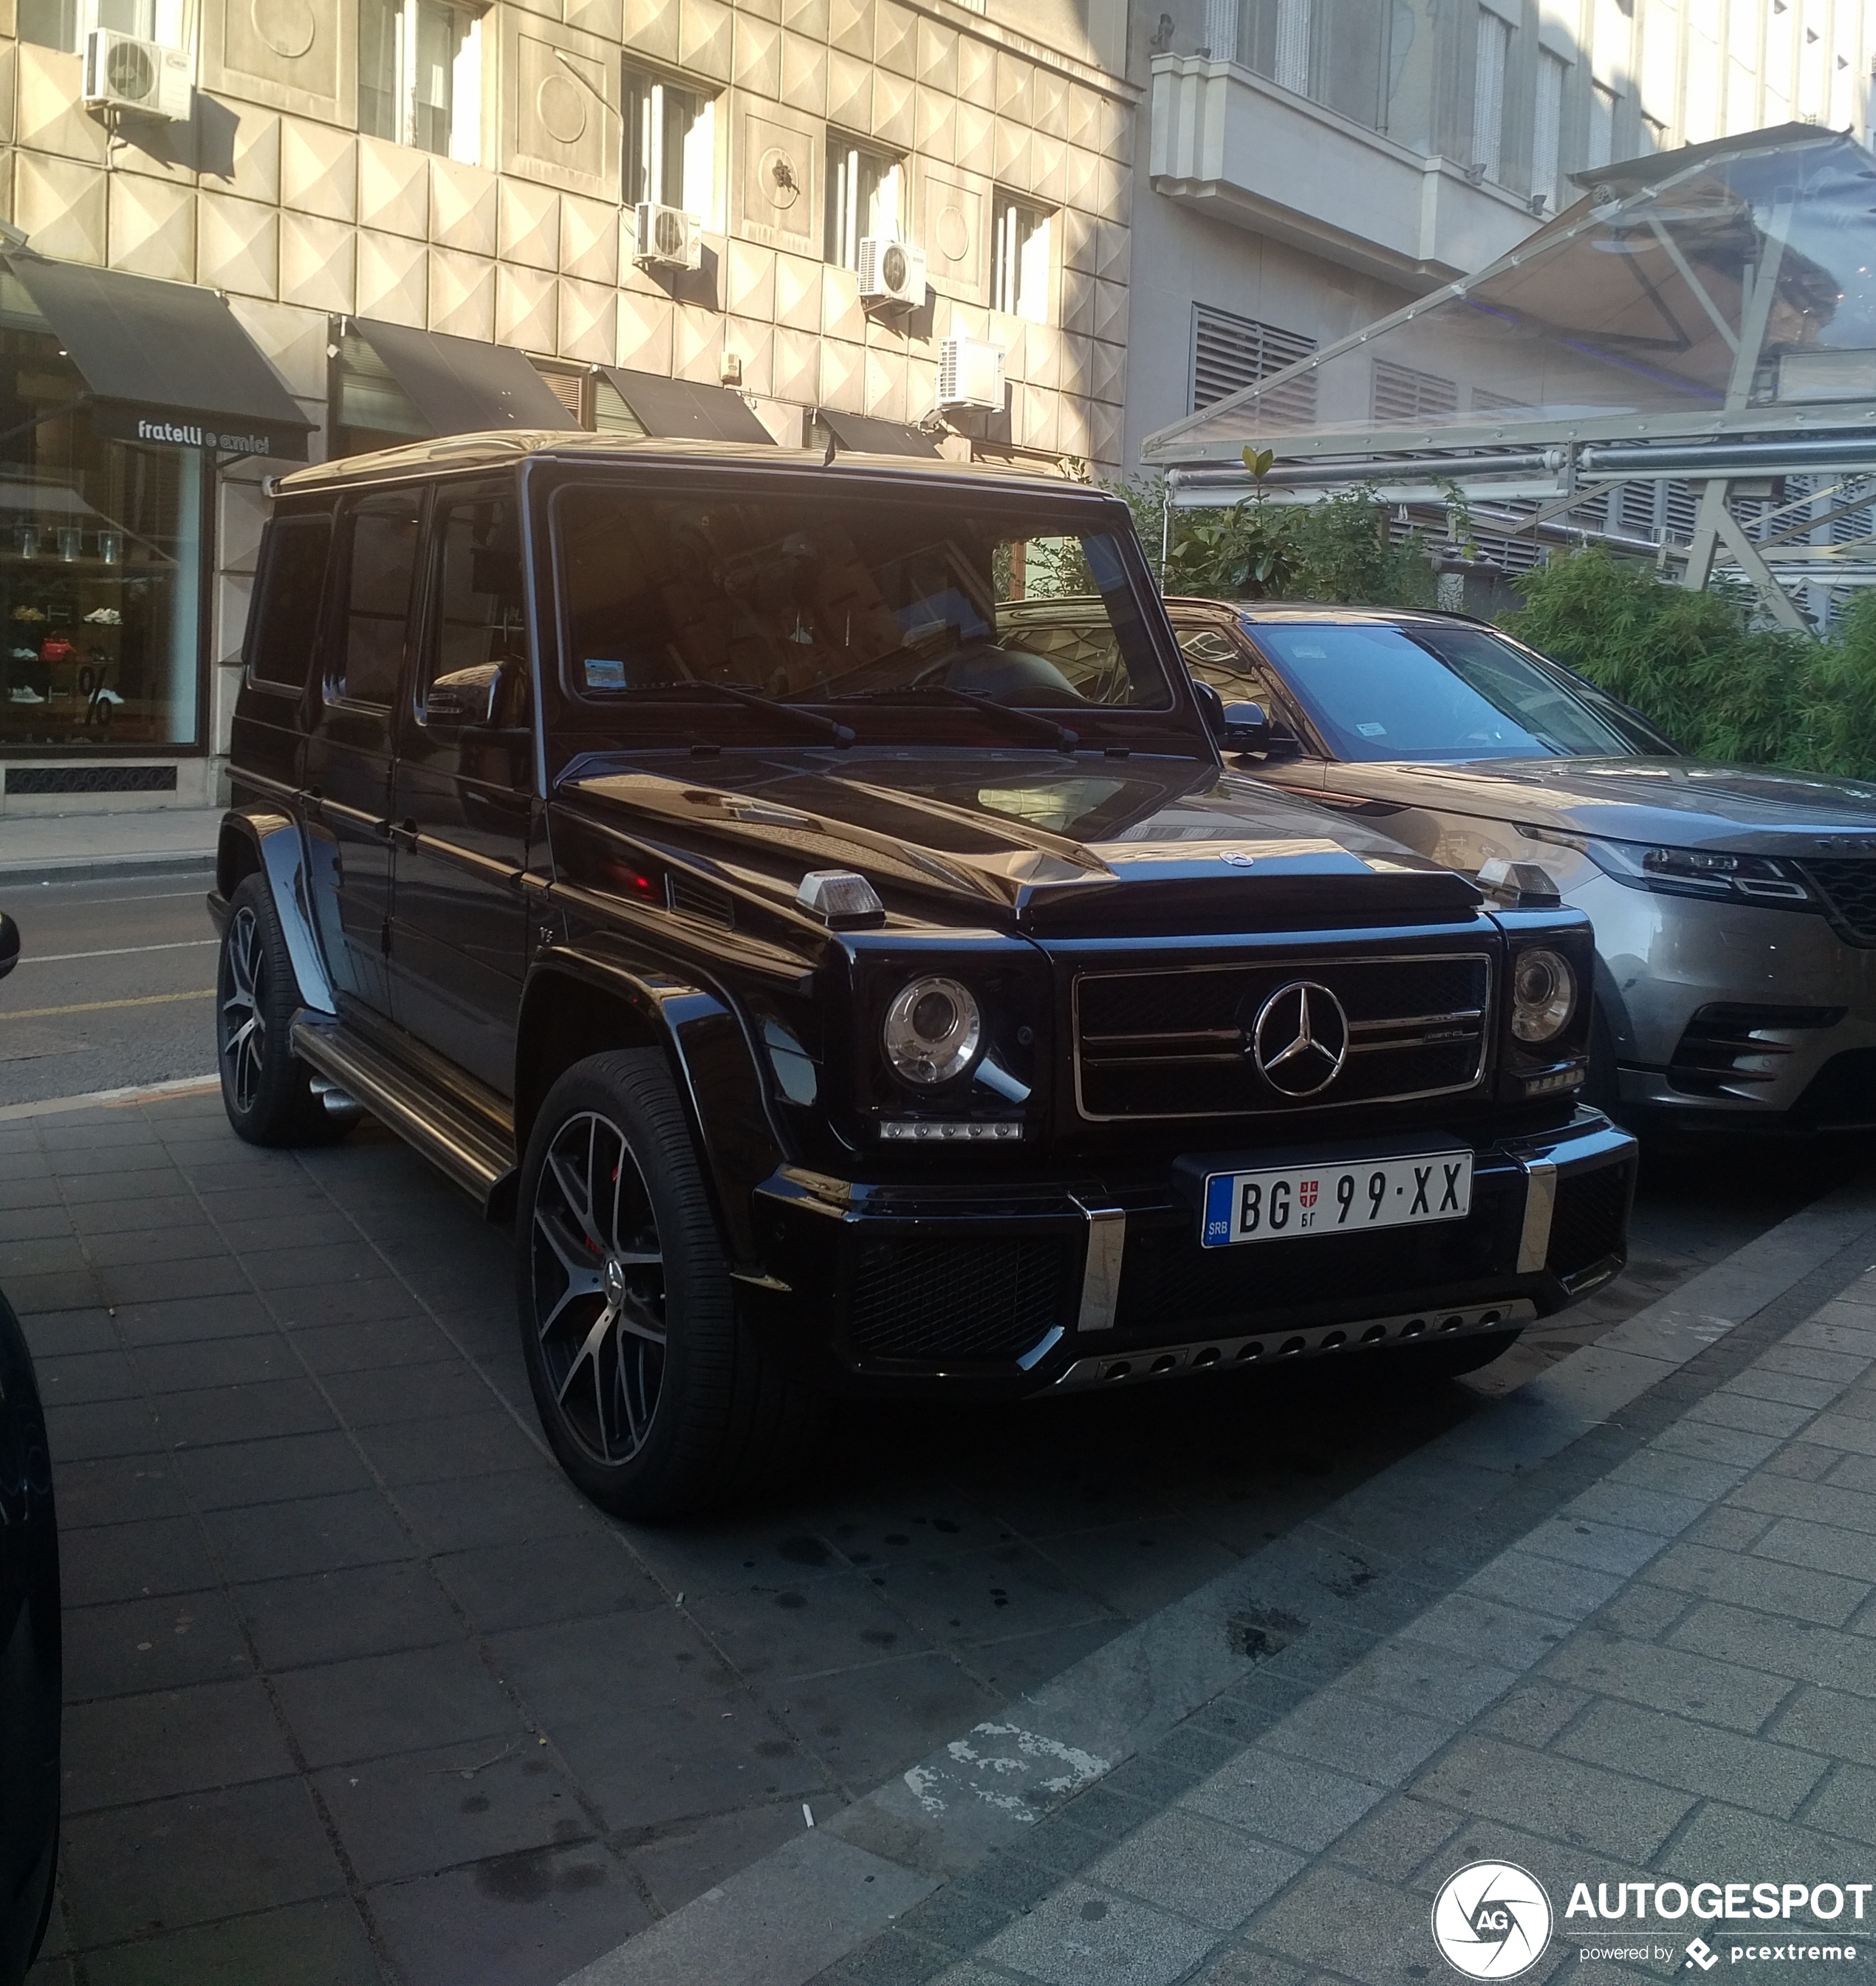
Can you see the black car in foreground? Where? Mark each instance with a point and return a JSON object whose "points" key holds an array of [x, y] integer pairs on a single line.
{"points": [[29, 1641], [686, 848]]}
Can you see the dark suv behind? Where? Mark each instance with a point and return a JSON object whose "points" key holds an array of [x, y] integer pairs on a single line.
{"points": [[695, 853]]}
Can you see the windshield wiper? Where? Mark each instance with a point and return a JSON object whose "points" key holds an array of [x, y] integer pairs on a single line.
{"points": [[1021, 723], [811, 720]]}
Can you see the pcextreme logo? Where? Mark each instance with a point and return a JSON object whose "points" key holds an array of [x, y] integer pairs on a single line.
{"points": [[1492, 1920]]}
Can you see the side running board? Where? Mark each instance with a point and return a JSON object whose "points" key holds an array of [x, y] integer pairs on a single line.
{"points": [[467, 1148]]}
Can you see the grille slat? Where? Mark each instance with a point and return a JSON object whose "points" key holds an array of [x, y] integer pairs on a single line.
{"points": [[1849, 888], [1176, 1043], [1589, 1222], [942, 1301]]}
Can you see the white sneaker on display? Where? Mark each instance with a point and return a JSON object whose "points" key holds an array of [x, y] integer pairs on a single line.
{"points": [[22, 695]]}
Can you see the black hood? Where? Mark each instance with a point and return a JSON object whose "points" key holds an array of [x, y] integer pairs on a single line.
{"points": [[1018, 838]]}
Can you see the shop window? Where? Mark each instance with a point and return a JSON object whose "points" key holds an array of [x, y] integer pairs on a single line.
{"points": [[1020, 261], [383, 532], [420, 77], [284, 626], [670, 145], [863, 198], [101, 564]]}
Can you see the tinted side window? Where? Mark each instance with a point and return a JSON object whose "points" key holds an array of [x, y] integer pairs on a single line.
{"points": [[284, 623], [481, 612], [381, 566]]}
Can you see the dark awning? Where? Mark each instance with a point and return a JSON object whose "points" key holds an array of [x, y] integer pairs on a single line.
{"points": [[868, 436], [164, 362], [459, 385], [681, 408]]}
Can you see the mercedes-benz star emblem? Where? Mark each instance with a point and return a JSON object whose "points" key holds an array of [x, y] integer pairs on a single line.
{"points": [[1300, 1038]]}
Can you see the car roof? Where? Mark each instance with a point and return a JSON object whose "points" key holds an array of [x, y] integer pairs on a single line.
{"points": [[506, 448], [1315, 610]]}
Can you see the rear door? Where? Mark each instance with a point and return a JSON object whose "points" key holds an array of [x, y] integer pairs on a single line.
{"points": [[349, 754], [464, 815]]}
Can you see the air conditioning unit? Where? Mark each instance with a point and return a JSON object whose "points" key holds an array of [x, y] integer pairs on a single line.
{"points": [[970, 377], [143, 78], [892, 273], [665, 238]]}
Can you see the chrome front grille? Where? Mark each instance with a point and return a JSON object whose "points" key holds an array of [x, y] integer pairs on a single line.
{"points": [[1176, 1042]]}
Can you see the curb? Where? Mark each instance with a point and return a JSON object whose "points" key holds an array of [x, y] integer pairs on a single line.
{"points": [[82, 869], [792, 1913]]}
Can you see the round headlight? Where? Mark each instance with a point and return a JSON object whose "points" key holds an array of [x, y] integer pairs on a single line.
{"points": [[1543, 995], [932, 1032]]}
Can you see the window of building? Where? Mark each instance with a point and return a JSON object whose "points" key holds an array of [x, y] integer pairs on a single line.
{"points": [[1493, 52], [1403, 395], [420, 76], [670, 145], [1546, 131], [1020, 261], [1230, 353], [863, 197], [1601, 126], [1337, 52], [101, 563], [61, 24]]}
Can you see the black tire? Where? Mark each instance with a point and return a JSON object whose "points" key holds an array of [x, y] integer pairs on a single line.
{"points": [[266, 1089], [651, 1390]]}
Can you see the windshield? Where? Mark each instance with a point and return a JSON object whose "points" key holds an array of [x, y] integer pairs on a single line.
{"points": [[890, 612], [1375, 692]]}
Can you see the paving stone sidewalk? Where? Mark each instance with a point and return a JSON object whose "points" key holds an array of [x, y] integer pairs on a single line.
{"points": [[1671, 1676]]}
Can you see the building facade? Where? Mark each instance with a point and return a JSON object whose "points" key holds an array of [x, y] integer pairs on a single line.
{"points": [[1310, 166], [366, 181]]}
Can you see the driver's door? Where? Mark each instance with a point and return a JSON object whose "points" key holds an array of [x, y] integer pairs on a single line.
{"points": [[465, 811]]}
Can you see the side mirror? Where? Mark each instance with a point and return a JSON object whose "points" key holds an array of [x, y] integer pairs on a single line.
{"points": [[464, 700], [9, 945], [1246, 728], [1238, 727]]}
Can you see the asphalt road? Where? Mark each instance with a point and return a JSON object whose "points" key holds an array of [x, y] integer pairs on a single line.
{"points": [[114, 987]]}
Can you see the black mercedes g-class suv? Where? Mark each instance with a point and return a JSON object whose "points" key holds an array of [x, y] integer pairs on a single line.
{"points": [[848, 978]]}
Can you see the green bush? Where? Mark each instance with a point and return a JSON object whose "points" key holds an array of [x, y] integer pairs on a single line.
{"points": [[1721, 687], [1718, 686], [1338, 550]]}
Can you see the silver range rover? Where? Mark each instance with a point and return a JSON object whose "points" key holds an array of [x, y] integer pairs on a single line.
{"points": [[1734, 907]]}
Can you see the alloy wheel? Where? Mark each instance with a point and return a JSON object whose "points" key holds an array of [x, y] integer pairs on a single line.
{"points": [[243, 1019], [598, 1288]]}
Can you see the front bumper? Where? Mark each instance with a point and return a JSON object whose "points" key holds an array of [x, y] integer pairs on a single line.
{"points": [[1726, 1011], [1014, 1291]]}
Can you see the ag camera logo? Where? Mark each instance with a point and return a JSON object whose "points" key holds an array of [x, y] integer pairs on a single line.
{"points": [[1492, 1920]]}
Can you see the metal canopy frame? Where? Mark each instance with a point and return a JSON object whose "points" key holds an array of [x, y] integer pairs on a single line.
{"points": [[1658, 330]]}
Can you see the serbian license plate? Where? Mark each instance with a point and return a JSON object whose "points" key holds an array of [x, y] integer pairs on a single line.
{"points": [[1345, 1198]]}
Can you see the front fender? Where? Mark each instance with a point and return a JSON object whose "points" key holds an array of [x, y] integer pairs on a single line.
{"points": [[710, 1058], [279, 852]]}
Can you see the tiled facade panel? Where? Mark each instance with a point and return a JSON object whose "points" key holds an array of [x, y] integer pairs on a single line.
{"points": [[274, 195]]}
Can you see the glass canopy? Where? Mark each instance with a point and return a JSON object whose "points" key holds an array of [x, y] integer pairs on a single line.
{"points": [[1718, 288]]}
